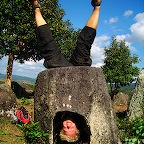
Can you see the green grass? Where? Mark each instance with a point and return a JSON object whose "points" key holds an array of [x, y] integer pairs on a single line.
{"points": [[25, 101], [10, 133], [4, 132], [31, 86], [2, 82]]}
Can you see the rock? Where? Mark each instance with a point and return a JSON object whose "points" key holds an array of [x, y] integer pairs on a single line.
{"points": [[7, 101], [120, 102], [22, 89], [78, 90], [26, 87], [136, 108]]}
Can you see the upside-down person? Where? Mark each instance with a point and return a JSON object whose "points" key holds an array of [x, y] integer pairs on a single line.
{"points": [[54, 58]]}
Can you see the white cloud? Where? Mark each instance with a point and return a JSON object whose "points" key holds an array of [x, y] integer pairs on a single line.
{"points": [[97, 51], [115, 29], [111, 20], [31, 68], [139, 17], [136, 35], [128, 13], [30, 62], [28, 69], [137, 30], [128, 41]]}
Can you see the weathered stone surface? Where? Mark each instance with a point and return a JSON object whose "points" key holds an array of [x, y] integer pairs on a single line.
{"points": [[80, 90], [7, 101], [120, 102], [136, 108]]}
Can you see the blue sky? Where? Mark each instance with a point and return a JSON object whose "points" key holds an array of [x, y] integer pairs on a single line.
{"points": [[119, 18]]}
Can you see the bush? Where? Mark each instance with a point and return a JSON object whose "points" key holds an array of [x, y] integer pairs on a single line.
{"points": [[131, 132], [25, 101], [32, 133], [136, 135]]}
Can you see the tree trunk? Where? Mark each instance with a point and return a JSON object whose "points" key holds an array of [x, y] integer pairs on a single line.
{"points": [[9, 69]]}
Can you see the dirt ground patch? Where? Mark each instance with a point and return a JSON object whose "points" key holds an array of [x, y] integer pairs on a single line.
{"points": [[10, 133]]}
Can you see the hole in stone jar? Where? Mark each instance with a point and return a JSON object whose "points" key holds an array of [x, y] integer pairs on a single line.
{"points": [[69, 136]]}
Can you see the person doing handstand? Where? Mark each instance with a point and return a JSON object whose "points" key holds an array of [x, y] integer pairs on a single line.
{"points": [[51, 52], [54, 58]]}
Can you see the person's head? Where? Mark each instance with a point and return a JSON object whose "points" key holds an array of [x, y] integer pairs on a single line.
{"points": [[69, 131]]}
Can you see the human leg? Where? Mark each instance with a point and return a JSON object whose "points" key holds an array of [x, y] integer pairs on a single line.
{"points": [[47, 45], [81, 54], [93, 20]]}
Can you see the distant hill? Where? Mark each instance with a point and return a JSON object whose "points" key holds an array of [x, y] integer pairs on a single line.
{"points": [[130, 86], [32, 80], [19, 78]]}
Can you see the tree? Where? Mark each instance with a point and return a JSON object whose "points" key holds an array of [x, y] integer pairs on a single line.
{"points": [[119, 68], [17, 37]]}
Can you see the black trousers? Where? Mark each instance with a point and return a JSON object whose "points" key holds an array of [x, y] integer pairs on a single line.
{"points": [[52, 54]]}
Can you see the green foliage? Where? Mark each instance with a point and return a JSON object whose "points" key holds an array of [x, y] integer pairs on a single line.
{"points": [[18, 28], [119, 69], [69, 43], [33, 133], [131, 132], [17, 35], [3, 132], [25, 101], [137, 131]]}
